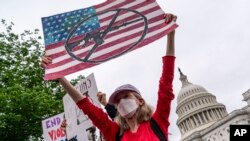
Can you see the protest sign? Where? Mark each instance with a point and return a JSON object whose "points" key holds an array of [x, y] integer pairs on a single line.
{"points": [[51, 128], [83, 38], [77, 121]]}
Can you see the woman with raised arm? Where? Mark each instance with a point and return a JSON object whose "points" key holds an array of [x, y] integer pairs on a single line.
{"points": [[134, 116]]}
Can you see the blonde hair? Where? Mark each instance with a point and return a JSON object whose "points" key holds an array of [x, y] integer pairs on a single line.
{"points": [[143, 114]]}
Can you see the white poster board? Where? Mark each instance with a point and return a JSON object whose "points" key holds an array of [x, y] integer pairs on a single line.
{"points": [[51, 128], [77, 121]]}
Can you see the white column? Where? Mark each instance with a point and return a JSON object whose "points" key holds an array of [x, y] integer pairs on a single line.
{"points": [[200, 118], [192, 122], [186, 123], [205, 118], [216, 110], [208, 115], [195, 121], [212, 111]]}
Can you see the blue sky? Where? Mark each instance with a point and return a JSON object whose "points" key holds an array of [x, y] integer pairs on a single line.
{"points": [[212, 48]]}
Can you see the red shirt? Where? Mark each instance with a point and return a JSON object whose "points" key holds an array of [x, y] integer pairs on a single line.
{"points": [[144, 132]]}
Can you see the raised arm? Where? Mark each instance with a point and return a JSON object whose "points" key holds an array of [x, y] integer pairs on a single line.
{"points": [[111, 110], [170, 42], [98, 117], [165, 93], [74, 94]]}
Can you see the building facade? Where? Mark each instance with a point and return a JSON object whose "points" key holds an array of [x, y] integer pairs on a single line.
{"points": [[202, 118]]}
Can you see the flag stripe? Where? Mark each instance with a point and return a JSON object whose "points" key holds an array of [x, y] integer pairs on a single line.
{"points": [[139, 7], [108, 5]]}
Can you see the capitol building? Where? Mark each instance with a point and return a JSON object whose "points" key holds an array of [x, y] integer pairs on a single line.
{"points": [[202, 118]]}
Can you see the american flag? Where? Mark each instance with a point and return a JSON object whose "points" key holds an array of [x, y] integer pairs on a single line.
{"points": [[83, 38]]}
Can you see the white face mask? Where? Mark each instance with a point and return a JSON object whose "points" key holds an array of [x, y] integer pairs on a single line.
{"points": [[127, 107]]}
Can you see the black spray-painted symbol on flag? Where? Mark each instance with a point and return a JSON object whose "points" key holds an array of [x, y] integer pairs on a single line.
{"points": [[98, 37]]}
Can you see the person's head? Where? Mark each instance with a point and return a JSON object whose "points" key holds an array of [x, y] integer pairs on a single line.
{"points": [[130, 104]]}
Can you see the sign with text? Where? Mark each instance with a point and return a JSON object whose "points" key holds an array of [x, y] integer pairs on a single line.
{"points": [[51, 128], [77, 121]]}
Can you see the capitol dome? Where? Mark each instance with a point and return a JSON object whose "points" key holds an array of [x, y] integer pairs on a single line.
{"points": [[188, 90], [196, 108]]}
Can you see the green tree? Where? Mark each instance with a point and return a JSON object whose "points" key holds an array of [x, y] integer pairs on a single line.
{"points": [[25, 99]]}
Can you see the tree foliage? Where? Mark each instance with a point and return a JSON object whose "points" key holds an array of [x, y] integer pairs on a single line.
{"points": [[25, 99]]}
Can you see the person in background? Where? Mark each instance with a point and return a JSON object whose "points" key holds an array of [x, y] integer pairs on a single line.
{"points": [[63, 127], [110, 109], [134, 114]]}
